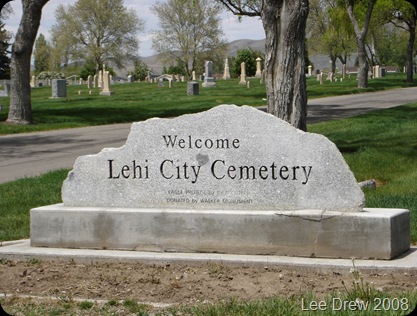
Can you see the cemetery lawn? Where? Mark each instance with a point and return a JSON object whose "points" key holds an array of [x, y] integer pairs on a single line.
{"points": [[380, 145], [140, 101]]}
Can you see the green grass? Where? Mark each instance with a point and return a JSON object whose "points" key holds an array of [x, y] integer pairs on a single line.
{"points": [[18, 197], [380, 145], [379, 303], [131, 102], [140, 101]]}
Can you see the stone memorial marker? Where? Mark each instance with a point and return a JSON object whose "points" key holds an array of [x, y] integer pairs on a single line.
{"points": [[106, 84], [95, 81], [226, 72], [258, 73], [192, 88], [208, 77], [59, 88], [228, 180], [242, 73], [89, 82]]}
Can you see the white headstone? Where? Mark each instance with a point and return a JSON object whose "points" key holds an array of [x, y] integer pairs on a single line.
{"points": [[242, 73], [226, 73], [89, 82], [33, 82], [106, 84], [258, 73], [95, 81]]}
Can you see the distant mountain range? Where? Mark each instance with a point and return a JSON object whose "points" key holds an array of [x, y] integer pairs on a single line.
{"points": [[319, 61]]}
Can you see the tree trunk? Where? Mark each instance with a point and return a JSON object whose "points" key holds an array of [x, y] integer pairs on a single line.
{"points": [[363, 68], [360, 35], [410, 52], [284, 22], [20, 111]]}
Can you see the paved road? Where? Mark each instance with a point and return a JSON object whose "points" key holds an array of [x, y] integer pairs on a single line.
{"points": [[31, 154]]}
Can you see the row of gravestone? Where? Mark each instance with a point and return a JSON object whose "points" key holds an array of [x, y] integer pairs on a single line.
{"points": [[59, 86]]}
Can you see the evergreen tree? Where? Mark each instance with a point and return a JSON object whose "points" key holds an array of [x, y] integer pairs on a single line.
{"points": [[42, 54], [5, 37]]}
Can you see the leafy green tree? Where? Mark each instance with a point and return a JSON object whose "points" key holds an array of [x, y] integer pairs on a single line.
{"points": [[175, 70], [330, 31], [42, 54], [390, 46], [88, 69], [190, 32], [141, 70], [249, 58], [402, 14], [101, 31], [5, 38], [360, 13]]}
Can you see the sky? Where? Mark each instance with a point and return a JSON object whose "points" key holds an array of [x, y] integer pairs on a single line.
{"points": [[248, 28]]}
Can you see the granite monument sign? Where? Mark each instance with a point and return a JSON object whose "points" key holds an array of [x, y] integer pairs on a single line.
{"points": [[226, 158], [231, 179]]}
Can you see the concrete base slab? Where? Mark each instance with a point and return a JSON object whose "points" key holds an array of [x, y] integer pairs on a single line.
{"points": [[107, 93], [374, 233], [21, 250]]}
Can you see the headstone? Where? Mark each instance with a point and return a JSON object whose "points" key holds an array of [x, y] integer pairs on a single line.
{"points": [[216, 182], [309, 70], [242, 73], [95, 81], [263, 76], [192, 88], [377, 72], [130, 79], [6, 91], [59, 88], [100, 79], [208, 78], [258, 73], [33, 82], [89, 82], [226, 73], [106, 84], [193, 76], [344, 71]]}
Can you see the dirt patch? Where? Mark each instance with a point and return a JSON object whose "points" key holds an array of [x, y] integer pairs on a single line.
{"points": [[178, 283]]}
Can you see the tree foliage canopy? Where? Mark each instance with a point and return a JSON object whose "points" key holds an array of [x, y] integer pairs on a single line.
{"points": [[190, 32], [42, 54], [97, 31], [5, 38]]}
